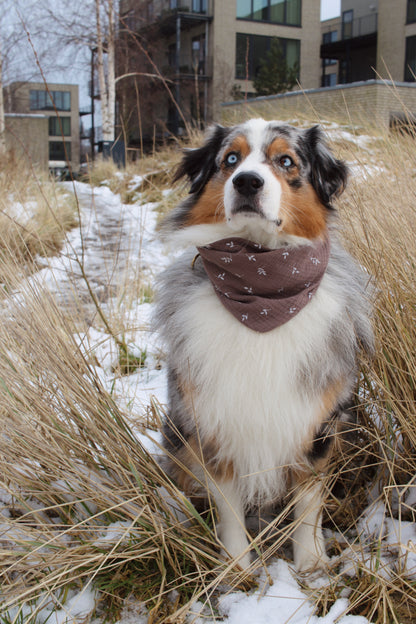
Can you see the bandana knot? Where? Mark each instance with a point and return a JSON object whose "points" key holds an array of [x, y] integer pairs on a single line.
{"points": [[264, 288]]}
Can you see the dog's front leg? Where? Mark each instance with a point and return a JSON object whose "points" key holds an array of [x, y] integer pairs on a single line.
{"points": [[231, 527], [308, 540]]}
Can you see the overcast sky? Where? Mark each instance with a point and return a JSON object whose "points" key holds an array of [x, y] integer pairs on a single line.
{"points": [[330, 8]]}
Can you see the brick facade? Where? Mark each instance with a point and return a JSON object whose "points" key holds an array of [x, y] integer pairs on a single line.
{"points": [[372, 102]]}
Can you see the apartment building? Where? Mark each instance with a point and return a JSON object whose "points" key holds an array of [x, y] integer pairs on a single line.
{"points": [[44, 123], [207, 52], [372, 39]]}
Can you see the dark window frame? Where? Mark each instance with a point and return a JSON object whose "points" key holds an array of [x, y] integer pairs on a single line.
{"points": [[41, 99], [59, 126], [251, 60], [411, 12], [330, 37], [268, 13], [347, 22], [410, 68], [60, 153]]}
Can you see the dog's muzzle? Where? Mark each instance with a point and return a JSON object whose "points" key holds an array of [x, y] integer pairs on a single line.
{"points": [[248, 183], [247, 186]]}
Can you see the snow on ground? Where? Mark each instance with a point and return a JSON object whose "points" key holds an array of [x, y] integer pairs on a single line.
{"points": [[115, 244]]}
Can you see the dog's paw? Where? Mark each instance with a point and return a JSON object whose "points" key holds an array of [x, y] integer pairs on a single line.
{"points": [[308, 563]]}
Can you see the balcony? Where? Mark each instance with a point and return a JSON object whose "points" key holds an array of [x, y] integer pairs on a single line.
{"points": [[353, 43], [162, 15], [189, 68], [359, 27], [355, 31]]}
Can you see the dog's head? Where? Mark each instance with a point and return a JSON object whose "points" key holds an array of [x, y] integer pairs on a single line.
{"points": [[261, 176]]}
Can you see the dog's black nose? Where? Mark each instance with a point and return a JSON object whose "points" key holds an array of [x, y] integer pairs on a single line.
{"points": [[248, 182]]}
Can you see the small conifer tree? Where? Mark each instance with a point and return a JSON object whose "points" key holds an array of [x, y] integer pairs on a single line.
{"points": [[275, 75]]}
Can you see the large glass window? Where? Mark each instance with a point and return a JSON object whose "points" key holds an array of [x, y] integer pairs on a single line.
{"points": [[58, 150], [410, 63], [411, 11], [41, 100], [252, 49], [347, 18], [287, 12], [59, 127], [244, 9]]}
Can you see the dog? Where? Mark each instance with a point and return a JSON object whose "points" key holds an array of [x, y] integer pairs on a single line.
{"points": [[263, 317]]}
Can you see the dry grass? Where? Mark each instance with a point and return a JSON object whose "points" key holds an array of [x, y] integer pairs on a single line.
{"points": [[141, 180], [35, 214], [73, 467], [378, 461]]}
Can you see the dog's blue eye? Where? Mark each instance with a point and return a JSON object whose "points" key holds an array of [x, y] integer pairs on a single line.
{"points": [[286, 162], [231, 159]]}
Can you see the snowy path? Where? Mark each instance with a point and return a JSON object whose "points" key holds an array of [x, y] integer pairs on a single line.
{"points": [[108, 247]]}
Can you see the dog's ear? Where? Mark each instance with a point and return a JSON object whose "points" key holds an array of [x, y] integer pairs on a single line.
{"points": [[328, 175], [199, 164]]}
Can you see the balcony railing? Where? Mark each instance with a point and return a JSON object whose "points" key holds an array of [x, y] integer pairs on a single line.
{"points": [[160, 11], [190, 67], [358, 27], [159, 8]]}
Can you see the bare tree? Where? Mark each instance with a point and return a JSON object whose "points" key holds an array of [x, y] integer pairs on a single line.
{"points": [[84, 28], [106, 43], [2, 123]]}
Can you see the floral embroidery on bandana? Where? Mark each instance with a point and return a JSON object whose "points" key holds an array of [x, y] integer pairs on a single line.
{"points": [[264, 288]]}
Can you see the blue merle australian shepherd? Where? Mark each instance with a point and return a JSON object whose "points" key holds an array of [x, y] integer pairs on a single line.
{"points": [[262, 316]]}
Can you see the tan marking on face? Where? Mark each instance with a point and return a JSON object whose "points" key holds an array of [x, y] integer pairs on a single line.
{"points": [[210, 206], [280, 147], [239, 145], [302, 213]]}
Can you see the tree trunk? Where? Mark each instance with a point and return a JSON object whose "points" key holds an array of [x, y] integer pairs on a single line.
{"points": [[107, 86], [2, 123]]}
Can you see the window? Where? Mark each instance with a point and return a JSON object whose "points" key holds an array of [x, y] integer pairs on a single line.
{"points": [[330, 37], [57, 150], [329, 80], [199, 6], [172, 55], [41, 100], [59, 127], [410, 63], [287, 12], [411, 11], [347, 18], [251, 49], [198, 54]]}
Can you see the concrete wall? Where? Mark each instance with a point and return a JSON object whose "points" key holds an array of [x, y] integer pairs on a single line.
{"points": [[371, 102], [18, 128]]}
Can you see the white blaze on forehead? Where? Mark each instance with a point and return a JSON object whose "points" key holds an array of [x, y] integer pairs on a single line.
{"points": [[255, 131]]}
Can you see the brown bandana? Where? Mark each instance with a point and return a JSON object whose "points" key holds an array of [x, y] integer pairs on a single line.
{"points": [[264, 288]]}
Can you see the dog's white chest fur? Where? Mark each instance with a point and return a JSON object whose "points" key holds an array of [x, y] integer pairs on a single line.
{"points": [[249, 393]]}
